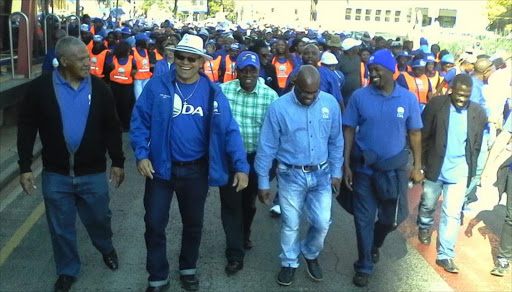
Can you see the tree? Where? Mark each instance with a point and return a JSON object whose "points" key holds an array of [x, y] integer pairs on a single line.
{"points": [[500, 15], [227, 6]]}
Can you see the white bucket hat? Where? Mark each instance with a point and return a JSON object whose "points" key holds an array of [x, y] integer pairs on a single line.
{"points": [[329, 59], [192, 44]]}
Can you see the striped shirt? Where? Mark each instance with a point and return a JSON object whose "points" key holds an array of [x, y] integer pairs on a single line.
{"points": [[249, 109]]}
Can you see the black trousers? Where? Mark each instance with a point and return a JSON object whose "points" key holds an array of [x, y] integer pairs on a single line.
{"points": [[238, 211], [124, 99]]}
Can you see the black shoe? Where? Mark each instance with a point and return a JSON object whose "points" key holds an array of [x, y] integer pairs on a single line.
{"points": [[448, 265], [158, 288], [189, 282], [248, 245], [360, 279], [424, 235], [314, 270], [285, 277], [233, 267], [375, 255], [64, 283], [110, 260]]}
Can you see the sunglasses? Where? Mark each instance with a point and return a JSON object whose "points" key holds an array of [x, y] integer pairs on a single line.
{"points": [[189, 59]]}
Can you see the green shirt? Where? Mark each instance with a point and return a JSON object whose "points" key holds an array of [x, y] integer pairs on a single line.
{"points": [[249, 109]]}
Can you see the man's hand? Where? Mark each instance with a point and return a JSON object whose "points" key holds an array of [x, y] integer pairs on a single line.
{"points": [[347, 177], [28, 183], [241, 180], [145, 168], [335, 184], [117, 175], [417, 176], [264, 196]]}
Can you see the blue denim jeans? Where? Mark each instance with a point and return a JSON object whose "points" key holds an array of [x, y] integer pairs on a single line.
{"points": [[480, 164], [309, 191], [191, 186], [449, 224], [64, 196]]}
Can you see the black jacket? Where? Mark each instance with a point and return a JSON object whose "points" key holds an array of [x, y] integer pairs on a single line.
{"points": [[435, 118], [40, 111], [271, 77]]}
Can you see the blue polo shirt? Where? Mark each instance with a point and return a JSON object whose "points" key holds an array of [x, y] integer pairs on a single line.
{"points": [[329, 82], [74, 108], [477, 95], [455, 166], [383, 121]]}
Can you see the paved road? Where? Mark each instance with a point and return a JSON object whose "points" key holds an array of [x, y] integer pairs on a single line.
{"points": [[26, 261]]}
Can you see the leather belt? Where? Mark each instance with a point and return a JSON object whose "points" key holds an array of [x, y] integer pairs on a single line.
{"points": [[306, 168], [193, 162]]}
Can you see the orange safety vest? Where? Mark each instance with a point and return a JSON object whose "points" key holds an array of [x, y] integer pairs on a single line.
{"points": [[397, 72], [93, 30], [90, 45], [143, 66], [418, 86], [122, 73], [211, 69], [230, 73], [283, 70], [434, 81], [364, 81], [97, 63], [158, 56]]}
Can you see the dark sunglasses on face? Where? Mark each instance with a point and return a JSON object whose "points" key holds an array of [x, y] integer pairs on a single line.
{"points": [[189, 59]]}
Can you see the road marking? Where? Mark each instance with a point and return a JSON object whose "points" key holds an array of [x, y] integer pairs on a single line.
{"points": [[21, 232], [18, 190]]}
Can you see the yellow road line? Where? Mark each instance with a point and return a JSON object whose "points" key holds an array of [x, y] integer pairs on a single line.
{"points": [[20, 233]]}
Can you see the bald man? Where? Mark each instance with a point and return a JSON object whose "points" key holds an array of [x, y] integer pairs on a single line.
{"points": [[302, 131], [483, 70]]}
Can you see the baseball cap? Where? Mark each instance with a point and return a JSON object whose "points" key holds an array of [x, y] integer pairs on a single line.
{"points": [[126, 30], [349, 43], [329, 59], [84, 27], [448, 58], [235, 46], [141, 37], [97, 38], [247, 58], [419, 63], [430, 58], [384, 58], [403, 54]]}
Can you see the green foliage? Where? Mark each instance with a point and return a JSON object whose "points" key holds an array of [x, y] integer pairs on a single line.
{"points": [[500, 15], [228, 7]]}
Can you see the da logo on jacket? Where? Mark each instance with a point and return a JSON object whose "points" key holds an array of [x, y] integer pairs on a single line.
{"points": [[183, 108], [400, 111]]}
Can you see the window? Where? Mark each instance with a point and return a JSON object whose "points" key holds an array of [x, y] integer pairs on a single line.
{"points": [[377, 12], [426, 21], [358, 17], [367, 18], [377, 18], [397, 13], [386, 19], [358, 11], [348, 13], [388, 12], [358, 14], [377, 15], [409, 15], [447, 18], [368, 11]]}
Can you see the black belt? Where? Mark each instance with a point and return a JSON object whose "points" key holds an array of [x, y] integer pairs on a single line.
{"points": [[306, 168], [193, 162]]}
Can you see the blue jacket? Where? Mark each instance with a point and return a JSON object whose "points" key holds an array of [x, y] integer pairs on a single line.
{"points": [[151, 135]]}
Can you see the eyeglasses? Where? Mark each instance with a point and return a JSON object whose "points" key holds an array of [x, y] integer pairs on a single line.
{"points": [[189, 59]]}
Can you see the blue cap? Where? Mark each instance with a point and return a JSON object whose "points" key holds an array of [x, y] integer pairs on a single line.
{"points": [[247, 58], [84, 27], [141, 37], [384, 58], [423, 41], [448, 58], [321, 40], [235, 46], [403, 54], [419, 63], [97, 19], [126, 30]]}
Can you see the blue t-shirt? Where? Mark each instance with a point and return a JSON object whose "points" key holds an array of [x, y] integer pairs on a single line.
{"points": [[455, 166], [450, 75], [383, 120], [189, 137]]}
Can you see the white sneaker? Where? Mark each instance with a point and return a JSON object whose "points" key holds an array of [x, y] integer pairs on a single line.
{"points": [[275, 211]]}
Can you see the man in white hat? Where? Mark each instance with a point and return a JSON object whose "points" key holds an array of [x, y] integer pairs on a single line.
{"points": [[185, 139], [350, 66]]}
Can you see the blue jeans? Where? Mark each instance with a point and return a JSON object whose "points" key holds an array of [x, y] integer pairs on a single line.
{"points": [[449, 224], [312, 192], [482, 159], [191, 186], [64, 196], [369, 233], [138, 86]]}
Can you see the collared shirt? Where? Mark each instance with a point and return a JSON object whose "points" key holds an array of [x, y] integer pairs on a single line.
{"points": [[455, 166], [249, 109], [74, 108], [300, 135], [383, 120]]}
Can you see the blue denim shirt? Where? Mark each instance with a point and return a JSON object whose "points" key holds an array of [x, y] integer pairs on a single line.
{"points": [[455, 166], [300, 135]]}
